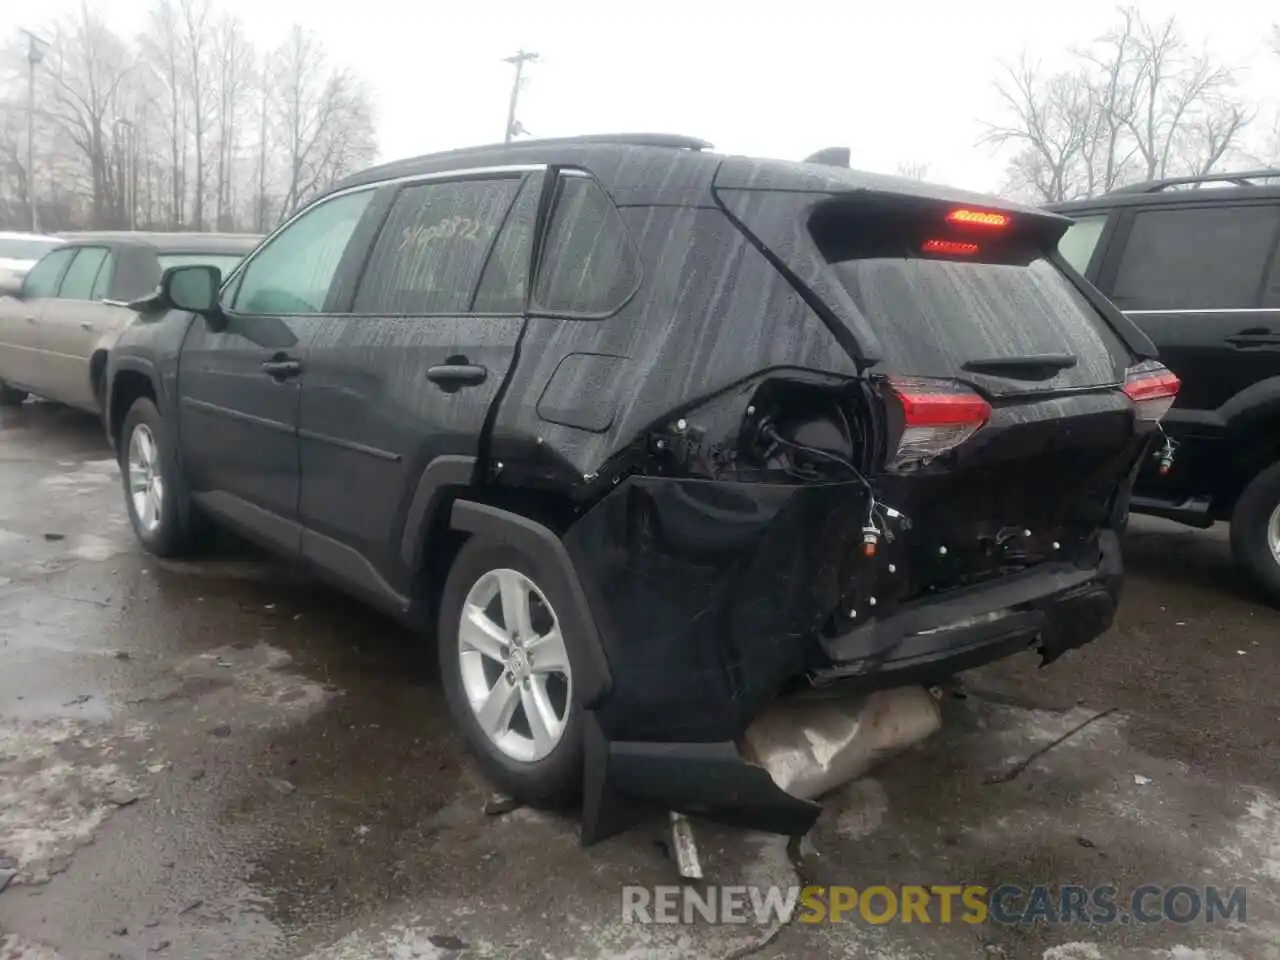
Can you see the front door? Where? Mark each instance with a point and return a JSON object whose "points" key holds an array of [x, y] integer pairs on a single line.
{"points": [[409, 373], [239, 379]]}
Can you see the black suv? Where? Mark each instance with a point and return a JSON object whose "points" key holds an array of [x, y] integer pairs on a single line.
{"points": [[652, 436], [1195, 262]]}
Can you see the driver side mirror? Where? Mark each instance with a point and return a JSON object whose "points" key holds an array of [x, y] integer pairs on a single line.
{"points": [[11, 286], [192, 288]]}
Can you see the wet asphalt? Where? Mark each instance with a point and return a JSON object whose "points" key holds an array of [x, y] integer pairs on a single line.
{"points": [[222, 759]]}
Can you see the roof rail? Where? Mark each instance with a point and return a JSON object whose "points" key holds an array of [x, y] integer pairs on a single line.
{"points": [[1244, 178]]}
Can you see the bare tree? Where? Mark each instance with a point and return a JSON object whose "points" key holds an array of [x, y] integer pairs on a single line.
{"points": [[1175, 92], [1137, 103], [87, 65], [196, 30], [1050, 119], [324, 117], [234, 58], [163, 48]]}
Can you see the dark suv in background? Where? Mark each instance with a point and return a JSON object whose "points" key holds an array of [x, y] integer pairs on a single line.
{"points": [[1195, 262], [650, 437]]}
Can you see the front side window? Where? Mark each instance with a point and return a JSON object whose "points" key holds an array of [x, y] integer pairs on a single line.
{"points": [[432, 248], [1196, 258], [42, 279], [78, 282], [591, 267], [293, 272], [1080, 240]]}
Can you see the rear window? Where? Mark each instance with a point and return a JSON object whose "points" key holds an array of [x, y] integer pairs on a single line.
{"points": [[997, 297]]}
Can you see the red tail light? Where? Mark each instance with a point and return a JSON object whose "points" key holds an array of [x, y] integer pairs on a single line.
{"points": [[1152, 387], [978, 218], [938, 416], [954, 247]]}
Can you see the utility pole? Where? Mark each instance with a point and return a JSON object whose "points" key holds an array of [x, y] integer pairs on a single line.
{"points": [[128, 171], [519, 60], [34, 56]]}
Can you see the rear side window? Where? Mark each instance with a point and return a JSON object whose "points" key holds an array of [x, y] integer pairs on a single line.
{"points": [[42, 279], [1081, 239], [429, 254], [77, 283], [506, 276], [590, 267], [1196, 258], [995, 296]]}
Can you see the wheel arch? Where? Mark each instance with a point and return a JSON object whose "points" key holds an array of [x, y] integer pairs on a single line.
{"points": [[131, 379]]}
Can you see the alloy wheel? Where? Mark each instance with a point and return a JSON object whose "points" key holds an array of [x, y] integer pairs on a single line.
{"points": [[514, 665]]}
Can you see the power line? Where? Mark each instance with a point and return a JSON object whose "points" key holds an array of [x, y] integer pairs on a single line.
{"points": [[520, 58]]}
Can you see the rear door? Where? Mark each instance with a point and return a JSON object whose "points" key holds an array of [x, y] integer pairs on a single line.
{"points": [[409, 369], [73, 323], [1203, 282], [23, 360]]}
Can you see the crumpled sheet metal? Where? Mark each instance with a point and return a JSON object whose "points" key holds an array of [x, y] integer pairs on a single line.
{"points": [[810, 746]]}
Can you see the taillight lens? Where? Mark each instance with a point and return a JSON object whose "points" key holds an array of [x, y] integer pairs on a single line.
{"points": [[1152, 387], [938, 415]]}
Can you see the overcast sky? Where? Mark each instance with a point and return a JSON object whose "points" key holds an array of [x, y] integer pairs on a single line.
{"points": [[895, 80]]}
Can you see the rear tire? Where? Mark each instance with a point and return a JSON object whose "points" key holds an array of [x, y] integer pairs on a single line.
{"points": [[1255, 531], [543, 768], [155, 496], [11, 397]]}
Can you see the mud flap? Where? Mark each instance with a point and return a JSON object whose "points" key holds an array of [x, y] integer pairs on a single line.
{"points": [[795, 751]]}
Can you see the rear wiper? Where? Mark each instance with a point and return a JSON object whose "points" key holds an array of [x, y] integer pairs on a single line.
{"points": [[1041, 366]]}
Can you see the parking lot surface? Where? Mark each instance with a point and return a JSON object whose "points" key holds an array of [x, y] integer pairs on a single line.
{"points": [[221, 759]]}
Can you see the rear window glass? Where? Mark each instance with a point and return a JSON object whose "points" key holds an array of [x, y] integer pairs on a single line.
{"points": [[934, 316], [1081, 239], [590, 267]]}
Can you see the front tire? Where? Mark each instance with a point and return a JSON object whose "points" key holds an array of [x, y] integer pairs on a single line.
{"points": [[507, 675], [1255, 531], [155, 496]]}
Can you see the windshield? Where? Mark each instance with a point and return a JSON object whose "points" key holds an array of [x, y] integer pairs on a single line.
{"points": [[1076, 245], [225, 262], [26, 248]]}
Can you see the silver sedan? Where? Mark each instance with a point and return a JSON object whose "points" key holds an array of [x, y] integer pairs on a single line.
{"points": [[58, 322]]}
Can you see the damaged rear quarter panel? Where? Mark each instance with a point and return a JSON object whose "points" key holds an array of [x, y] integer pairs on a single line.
{"points": [[710, 312]]}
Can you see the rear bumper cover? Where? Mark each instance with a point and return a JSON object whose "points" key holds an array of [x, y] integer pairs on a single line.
{"points": [[1057, 610]]}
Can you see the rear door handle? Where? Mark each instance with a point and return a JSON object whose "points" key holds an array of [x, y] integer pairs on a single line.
{"points": [[86, 325], [451, 376], [1254, 337], [29, 318], [280, 369]]}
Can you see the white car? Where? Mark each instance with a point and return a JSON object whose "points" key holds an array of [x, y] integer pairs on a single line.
{"points": [[20, 251]]}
